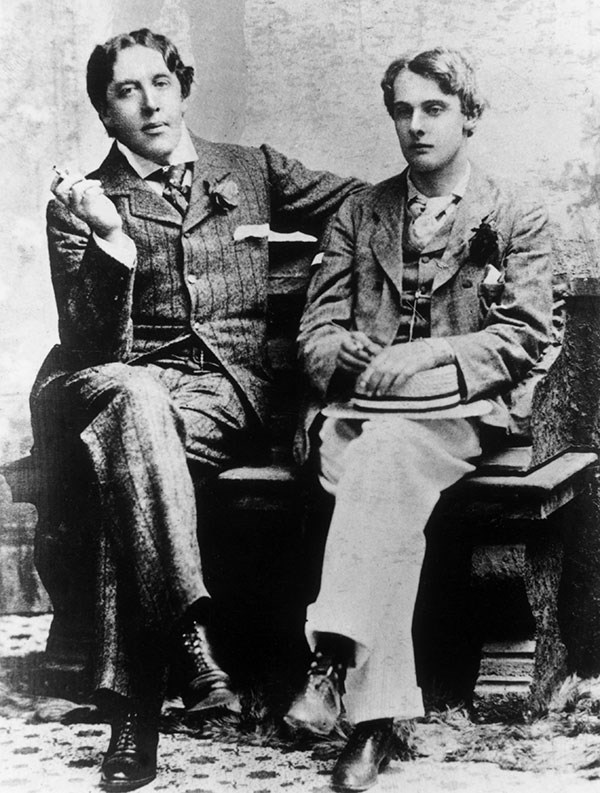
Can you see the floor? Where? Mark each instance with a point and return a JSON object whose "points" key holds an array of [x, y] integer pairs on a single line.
{"points": [[50, 746]]}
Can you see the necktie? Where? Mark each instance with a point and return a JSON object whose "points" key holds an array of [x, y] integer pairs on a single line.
{"points": [[427, 219], [174, 191]]}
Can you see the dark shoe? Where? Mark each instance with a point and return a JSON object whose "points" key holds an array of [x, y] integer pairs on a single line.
{"points": [[319, 705], [369, 749], [130, 760], [206, 685]]}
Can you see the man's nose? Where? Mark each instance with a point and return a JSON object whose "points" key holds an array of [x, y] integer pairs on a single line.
{"points": [[416, 123], [150, 101]]}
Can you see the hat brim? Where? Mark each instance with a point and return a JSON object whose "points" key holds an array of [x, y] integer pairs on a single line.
{"points": [[345, 410]]}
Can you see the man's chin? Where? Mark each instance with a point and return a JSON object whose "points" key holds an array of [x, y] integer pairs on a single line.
{"points": [[156, 147], [422, 165], [422, 162], [157, 153]]}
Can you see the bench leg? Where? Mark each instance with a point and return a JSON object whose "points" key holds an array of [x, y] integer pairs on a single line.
{"points": [[543, 571], [579, 596]]}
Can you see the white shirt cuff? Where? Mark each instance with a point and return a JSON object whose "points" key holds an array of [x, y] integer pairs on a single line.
{"points": [[123, 251]]}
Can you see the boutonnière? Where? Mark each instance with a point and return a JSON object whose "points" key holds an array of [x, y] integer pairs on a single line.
{"points": [[224, 193], [483, 244]]}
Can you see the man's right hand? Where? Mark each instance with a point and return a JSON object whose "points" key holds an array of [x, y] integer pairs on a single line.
{"points": [[86, 199], [356, 351]]}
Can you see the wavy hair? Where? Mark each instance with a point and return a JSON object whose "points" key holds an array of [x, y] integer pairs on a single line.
{"points": [[451, 71], [103, 57]]}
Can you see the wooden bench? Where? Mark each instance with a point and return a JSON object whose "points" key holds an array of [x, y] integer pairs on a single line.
{"points": [[490, 579]]}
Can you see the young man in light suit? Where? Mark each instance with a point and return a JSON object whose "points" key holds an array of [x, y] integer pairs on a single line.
{"points": [[440, 265], [159, 264]]}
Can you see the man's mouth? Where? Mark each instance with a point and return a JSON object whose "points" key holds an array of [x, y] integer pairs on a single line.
{"points": [[154, 126], [420, 146]]}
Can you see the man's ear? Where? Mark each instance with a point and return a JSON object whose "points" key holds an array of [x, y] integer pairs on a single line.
{"points": [[103, 115], [469, 124], [104, 119]]}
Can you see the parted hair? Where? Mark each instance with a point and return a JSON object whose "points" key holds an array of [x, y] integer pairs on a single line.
{"points": [[450, 69], [103, 57]]}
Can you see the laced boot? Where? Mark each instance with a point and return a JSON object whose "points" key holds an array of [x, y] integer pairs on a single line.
{"points": [[205, 684], [130, 760], [369, 749], [319, 705]]}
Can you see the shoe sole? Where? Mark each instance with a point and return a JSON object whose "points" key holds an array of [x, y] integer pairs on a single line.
{"points": [[121, 786], [356, 789], [221, 700]]}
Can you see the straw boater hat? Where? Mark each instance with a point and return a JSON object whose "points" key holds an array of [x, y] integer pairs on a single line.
{"points": [[432, 394]]}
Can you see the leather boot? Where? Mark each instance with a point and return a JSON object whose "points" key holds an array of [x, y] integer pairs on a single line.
{"points": [[205, 684], [319, 705], [130, 760], [369, 749]]}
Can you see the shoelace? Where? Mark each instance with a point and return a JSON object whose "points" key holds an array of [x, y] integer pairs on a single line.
{"points": [[322, 670], [193, 644], [126, 733]]}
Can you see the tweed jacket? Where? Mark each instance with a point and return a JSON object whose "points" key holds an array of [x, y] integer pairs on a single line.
{"points": [[203, 274], [497, 331]]}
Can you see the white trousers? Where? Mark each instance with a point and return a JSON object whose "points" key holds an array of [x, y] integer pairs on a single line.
{"points": [[386, 474]]}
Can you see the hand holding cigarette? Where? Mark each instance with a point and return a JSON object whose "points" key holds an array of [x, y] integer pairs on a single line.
{"points": [[356, 351], [86, 199]]}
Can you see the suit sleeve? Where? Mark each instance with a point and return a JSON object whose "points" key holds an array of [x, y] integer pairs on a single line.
{"points": [[329, 305], [302, 199], [516, 329], [93, 291]]}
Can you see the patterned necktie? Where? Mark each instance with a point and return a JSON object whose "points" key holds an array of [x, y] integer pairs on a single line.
{"points": [[426, 220], [174, 191]]}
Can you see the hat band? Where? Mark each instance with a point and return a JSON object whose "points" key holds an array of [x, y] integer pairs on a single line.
{"points": [[408, 404]]}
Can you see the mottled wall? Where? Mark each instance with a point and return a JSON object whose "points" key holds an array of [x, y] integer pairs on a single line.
{"points": [[302, 74], [539, 66]]}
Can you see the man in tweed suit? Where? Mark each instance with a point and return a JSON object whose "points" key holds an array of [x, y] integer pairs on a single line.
{"points": [[439, 266], [159, 264]]}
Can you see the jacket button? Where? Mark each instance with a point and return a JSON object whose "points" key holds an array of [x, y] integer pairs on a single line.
{"points": [[425, 259], [196, 325], [191, 278]]}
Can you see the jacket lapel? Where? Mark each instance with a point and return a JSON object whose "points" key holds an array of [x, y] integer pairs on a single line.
{"points": [[119, 179], [474, 206], [386, 240], [209, 167]]}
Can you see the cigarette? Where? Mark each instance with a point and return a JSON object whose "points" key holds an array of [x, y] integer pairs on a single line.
{"points": [[60, 173]]}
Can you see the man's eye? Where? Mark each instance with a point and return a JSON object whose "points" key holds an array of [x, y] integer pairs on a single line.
{"points": [[162, 83], [435, 110], [125, 91], [402, 112]]}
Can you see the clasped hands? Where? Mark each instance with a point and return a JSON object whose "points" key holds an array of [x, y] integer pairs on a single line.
{"points": [[86, 199], [379, 367]]}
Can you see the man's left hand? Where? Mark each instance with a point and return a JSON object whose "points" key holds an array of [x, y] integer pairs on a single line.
{"points": [[393, 366]]}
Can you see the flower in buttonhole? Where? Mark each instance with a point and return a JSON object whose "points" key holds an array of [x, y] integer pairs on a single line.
{"points": [[483, 244], [224, 193]]}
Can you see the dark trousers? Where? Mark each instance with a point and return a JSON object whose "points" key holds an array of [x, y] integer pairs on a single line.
{"points": [[126, 435]]}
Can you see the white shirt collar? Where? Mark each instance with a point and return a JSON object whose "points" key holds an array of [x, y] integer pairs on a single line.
{"points": [[457, 191], [183, 152]]}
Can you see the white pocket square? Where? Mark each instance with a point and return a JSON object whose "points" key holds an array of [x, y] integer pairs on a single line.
{"points": [[261, 230], [256, 231]]}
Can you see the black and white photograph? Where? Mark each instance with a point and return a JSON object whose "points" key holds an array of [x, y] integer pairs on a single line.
{"points": [[300, 396]]}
